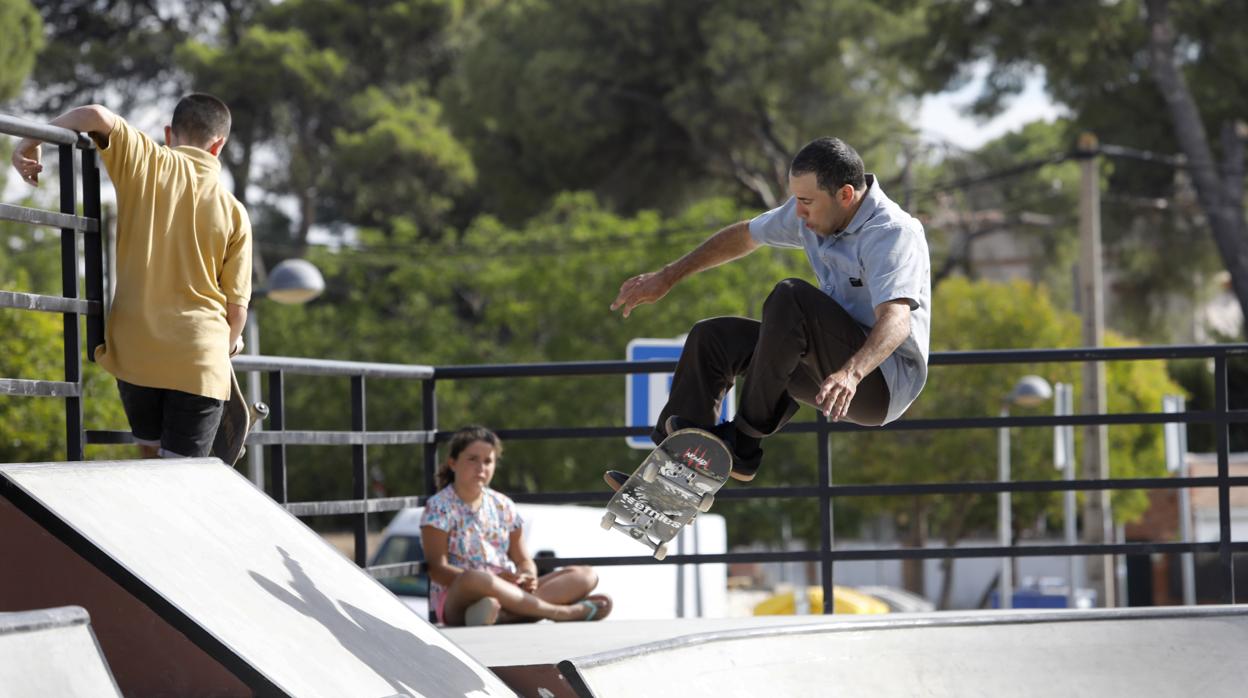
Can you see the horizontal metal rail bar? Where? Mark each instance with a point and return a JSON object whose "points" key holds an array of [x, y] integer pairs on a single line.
{"points": [[42, 131], [933, 488], [398, 569], [340, 438], [1195, 417], [354, 506], [323, 367], [32, 388], [842, 555], [108, 436], [948, 358], [38, 216], [49, 304]]}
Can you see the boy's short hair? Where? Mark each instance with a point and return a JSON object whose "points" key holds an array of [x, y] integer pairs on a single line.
{"points": [[833, 163], [201, 118]]}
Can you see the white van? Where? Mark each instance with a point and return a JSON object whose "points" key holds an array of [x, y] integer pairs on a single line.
{"points": [[554, 530]]}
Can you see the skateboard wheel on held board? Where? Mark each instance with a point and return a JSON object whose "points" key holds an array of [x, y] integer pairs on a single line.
{"points": [[708, 499], [608, 521], [650, 473], [661, 551]]}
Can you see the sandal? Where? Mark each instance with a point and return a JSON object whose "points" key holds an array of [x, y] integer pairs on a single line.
{"points": [[599, 606]]}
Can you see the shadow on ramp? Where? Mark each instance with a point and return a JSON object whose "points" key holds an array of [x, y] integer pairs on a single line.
{"points": [[196, 557]]}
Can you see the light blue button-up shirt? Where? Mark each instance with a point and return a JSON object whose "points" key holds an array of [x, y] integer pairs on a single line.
{"points": [[880, 256]]}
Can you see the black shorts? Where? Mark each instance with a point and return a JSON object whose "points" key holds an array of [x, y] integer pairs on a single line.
{"points": [[181, 423]]}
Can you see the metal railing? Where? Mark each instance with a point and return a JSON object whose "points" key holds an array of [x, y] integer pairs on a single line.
{"points": [[275, 438], [68, 304]]}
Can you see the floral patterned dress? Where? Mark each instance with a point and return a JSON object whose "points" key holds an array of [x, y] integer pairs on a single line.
{"points": [[476, 539]]}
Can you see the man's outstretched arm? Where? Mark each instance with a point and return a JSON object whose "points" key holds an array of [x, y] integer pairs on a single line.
{"points": [[892, 326], [732, 242], [92, 119]]}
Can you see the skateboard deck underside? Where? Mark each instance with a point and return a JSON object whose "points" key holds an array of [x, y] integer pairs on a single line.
{"points": [[237, 418], [688, 466]]}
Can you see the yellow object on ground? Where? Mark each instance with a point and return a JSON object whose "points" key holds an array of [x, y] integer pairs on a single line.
{"points": [[844, 600]]}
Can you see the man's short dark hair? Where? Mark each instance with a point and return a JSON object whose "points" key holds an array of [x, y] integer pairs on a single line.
{"points": [[201, 118], [833, 163]]}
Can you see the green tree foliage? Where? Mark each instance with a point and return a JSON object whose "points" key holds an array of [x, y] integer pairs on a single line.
{"points": [[974, 315], [657, 102], [21, 38], [1149, 74], [500, 295], [32, 429]]}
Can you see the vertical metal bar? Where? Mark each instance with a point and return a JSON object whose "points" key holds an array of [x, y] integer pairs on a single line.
{"points": [[93, 249], [1223, 438], [359, 470], [429, 422], [74, 435], [429, 412], [277, 452], [825, 515]]}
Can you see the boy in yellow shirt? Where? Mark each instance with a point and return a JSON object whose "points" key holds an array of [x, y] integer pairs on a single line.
{"points": [[183, 270]]}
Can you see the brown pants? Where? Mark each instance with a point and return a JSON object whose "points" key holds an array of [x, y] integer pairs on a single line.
{"points": [[804, 337]]}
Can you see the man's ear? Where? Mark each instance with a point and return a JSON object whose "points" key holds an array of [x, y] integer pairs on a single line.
{"points": [[216, 146], [169, 136], [845, 195]]}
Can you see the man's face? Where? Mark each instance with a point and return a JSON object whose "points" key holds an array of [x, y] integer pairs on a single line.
{"points": [[818, 209]]}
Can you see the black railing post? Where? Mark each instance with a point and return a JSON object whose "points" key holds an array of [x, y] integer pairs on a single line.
{"points": [[93, 249], [1222, 430], [826, 539], [277, 451], [429, 412], [359, 470], [74, 436]]}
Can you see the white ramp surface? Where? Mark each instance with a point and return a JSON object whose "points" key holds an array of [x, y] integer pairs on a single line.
{"points": [[52, 653], [1142, 653], [250, 584]]}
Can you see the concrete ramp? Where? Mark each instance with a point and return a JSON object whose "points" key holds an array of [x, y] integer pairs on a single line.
{"points": [[199, 584], [52, 653], [1135, 652]]}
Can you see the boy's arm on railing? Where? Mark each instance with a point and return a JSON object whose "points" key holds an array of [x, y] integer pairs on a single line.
{"points": [[93, 119]]}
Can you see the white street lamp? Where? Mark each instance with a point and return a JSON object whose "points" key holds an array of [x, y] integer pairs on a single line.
{"points": [[1029, 391], [292, 282]]}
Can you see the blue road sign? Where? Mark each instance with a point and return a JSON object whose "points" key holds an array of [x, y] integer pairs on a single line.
{"points": [[646, 393]]}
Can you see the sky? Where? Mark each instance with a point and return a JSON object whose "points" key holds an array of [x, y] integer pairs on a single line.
{"points": [[940, 118]]}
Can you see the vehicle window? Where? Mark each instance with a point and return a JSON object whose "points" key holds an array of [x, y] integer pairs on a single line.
{"points": [[398, 549]]}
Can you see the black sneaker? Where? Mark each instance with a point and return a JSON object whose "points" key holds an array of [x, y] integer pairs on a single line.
{"points": [[746, 452], [615, 479]]}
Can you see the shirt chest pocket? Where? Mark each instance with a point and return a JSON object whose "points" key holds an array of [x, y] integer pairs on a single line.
{"points": [[849, 278]]}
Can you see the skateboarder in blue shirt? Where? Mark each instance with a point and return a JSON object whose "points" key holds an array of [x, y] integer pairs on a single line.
{"points": [[854, 346]]}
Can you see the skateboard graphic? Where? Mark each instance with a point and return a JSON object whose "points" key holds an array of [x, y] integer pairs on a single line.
{"points": [[676, 482], [237, 420]]}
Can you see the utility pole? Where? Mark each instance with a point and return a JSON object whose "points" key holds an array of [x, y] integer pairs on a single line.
{"points": [[1097, 514]]}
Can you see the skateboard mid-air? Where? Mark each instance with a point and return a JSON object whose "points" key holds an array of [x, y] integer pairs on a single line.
{"points": [[676, 482], [237, 420]]}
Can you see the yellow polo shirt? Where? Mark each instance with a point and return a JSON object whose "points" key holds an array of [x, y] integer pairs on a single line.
{"points": [[183, 252]]}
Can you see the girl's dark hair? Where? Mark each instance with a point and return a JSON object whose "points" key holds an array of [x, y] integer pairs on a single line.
{"points": [[460, 440]]}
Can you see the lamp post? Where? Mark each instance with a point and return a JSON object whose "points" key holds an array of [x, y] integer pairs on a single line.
{"points": [[292, 282], [1028, 391]]}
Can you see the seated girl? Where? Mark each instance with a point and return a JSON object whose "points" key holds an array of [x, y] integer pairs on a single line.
{"points": [[474, 549]]}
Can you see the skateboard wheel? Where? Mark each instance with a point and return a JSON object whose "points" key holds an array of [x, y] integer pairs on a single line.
{"points": [[650, 473], [608, 520], [661, 551], [708, 499]]}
